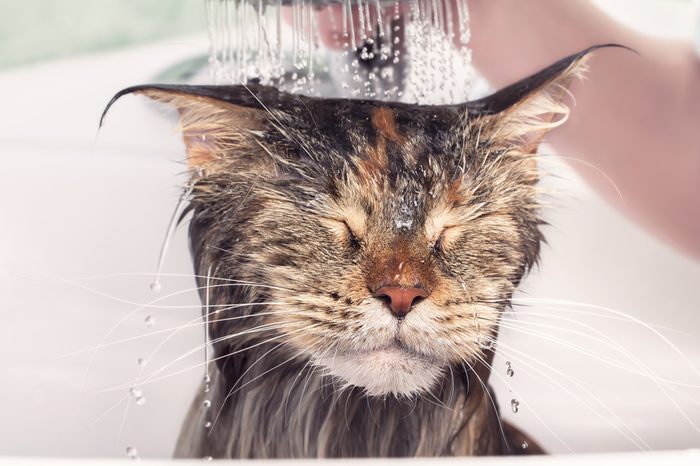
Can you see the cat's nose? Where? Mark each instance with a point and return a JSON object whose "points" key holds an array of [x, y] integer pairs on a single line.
{"points": [[400, 299]]}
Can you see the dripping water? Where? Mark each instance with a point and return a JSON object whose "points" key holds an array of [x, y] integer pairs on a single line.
{"points": [[156, 285], [207, 349], [131, 453], [207, 352], [385, 50], [514, 405]]}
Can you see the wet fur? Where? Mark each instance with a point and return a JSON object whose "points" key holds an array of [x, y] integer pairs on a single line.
{"points": [[301, 207]]}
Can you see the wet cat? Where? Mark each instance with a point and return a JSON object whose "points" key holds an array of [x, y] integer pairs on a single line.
{"points": [[355, 257]]}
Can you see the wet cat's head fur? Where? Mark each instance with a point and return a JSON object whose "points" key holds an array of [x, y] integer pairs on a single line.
{"points": [[378, 242]]}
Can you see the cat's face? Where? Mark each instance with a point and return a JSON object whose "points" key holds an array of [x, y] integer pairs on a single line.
{"points": [[394, 254], [380, 241]]}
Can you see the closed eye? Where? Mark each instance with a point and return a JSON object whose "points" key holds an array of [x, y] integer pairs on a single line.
{"points": [[438, 244], [354, 241], [447, 237], [343, 232]]}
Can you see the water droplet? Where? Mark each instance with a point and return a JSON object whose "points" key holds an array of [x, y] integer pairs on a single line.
{"points": [[207, 403], [149, 321], [486, 342], [509, 370], [140, 400], [156, 287], [131, 453], [207, 459], [135, 392], [524, 445], [514, 405], [207, 424], [141, 362]]}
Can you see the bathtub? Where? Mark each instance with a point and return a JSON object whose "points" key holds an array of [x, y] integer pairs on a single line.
{"points": [[84, 216]]}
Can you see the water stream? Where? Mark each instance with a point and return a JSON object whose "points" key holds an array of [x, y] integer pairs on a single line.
{"points": [[409, 50]]}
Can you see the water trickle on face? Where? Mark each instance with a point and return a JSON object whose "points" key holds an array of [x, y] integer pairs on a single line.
{"points": [[404, 217], [207, 349], [156, 286], [206, 381]]}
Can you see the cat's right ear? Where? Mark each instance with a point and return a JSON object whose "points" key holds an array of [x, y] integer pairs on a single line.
{"points": [[213, 119], [525, 111]]}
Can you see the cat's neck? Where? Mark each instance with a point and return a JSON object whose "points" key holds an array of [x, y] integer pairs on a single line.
{"points": [[263, 411]]}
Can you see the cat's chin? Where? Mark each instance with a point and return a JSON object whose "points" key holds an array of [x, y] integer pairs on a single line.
{"points": [[388, 371]]}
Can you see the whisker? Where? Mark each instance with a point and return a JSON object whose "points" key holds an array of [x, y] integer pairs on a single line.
{"points": [[129, 315], [526, 309], [616, 312], [193, 323], [657, 380], [85, 278], [534, 413], [488, 393], [310, 360], [152, 377], [233, 392], [607, 341], [628, 430]]}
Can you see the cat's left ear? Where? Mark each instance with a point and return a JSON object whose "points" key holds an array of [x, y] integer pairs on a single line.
{"points": [[526, 110], [213, 119]]}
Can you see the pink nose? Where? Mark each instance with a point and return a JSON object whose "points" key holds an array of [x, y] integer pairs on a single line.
{"points": [[400, 299]]}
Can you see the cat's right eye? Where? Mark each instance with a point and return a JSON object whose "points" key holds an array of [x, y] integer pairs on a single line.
{"points": [[354, 241]]}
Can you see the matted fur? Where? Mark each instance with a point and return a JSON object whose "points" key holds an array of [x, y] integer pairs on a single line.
{"points": [[302, 208]]}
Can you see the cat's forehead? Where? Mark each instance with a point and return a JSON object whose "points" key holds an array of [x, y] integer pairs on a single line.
{"points": [[395, 122], [400, 147]]}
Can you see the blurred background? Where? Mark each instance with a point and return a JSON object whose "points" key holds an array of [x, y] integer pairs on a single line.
{"points": [[85, 213]]}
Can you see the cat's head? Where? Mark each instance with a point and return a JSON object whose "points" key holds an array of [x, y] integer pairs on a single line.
{"points": [[379, 241]]}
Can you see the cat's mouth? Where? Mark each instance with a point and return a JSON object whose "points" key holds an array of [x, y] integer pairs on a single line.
{"points": [[394, 369]]}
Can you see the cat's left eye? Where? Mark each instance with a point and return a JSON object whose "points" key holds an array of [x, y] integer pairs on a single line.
{"points": [[438, 243], [446, 238]]}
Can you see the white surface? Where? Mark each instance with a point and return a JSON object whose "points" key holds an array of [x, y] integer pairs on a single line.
{"points": [[76, 206], [676, 458]]}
